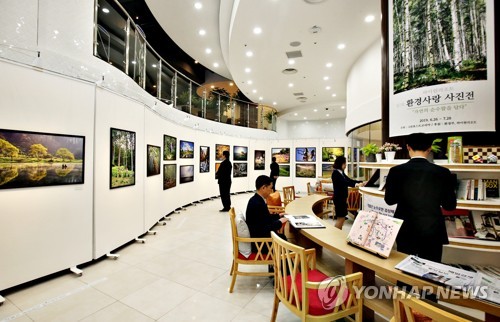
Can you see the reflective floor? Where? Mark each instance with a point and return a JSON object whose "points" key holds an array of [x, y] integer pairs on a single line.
{"points": [[179, 274]]}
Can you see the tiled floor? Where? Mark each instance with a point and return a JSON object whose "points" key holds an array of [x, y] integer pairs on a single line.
{"points": [[179, 274]]}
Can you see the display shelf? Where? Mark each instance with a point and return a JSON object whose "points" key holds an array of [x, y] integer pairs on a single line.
{"points": [[455, 167]]}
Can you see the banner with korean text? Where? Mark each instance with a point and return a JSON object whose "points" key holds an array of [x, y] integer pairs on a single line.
{"points": [[441, 66]]}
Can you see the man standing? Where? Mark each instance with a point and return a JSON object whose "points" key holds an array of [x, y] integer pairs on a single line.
{"points": [[223, 176], [420, 189], [275, 172]]}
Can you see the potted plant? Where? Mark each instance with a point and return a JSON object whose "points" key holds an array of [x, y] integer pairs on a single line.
{"points": [[389, 150], [435, 149], [369, 151]]}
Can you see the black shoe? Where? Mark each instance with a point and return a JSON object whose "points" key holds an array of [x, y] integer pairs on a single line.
{"points": [[224, 210]]}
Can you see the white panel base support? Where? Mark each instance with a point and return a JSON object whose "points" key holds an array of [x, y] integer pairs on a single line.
{"points": [[166, 219], [2, 300], [113, 256], [151, 232], [140, 240], [161, 223], [76, 270]]}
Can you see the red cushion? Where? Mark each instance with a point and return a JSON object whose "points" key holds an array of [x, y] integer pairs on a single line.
{"points": [[315, 303], [250, 258]]}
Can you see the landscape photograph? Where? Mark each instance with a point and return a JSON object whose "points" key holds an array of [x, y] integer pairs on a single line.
{"points": [[260, 160], [219, 148], [304, 170], [153, 160], [282, 155], [329, 154], [122, 158], [204, 159], [240, 153], [186, 173], [32, 159], [169, 148], [284, 170], [186, 150], [305, 154], [169, 176]]}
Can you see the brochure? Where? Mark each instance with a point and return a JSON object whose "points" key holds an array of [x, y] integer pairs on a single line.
{"points": [[304, 221], [374, 232]]}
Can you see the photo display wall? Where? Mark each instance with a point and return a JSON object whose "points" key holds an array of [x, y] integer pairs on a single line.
{"points": [[441, 66], [33, 159]]}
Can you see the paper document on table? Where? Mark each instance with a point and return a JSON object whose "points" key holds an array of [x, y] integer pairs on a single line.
{"points": [[304, 221]]}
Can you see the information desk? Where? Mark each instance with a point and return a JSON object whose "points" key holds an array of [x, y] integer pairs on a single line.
{"points": [[357, 260]]}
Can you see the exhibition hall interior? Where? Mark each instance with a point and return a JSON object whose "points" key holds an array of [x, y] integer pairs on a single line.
{"points": [[117, 116]]}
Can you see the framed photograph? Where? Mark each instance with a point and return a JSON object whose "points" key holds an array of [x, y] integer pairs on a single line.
{"points": [[122, 163], [284, 170], [239, 169], [169, 176], [186, 149], [186, 173], [282, 155], [260, 160], [305, 154], [217, 165], [204, 159], [330, 154], [305, 170], [219, 148], [169, 148], [153, 160], [33, 159], [240, 153], [326, 170]]}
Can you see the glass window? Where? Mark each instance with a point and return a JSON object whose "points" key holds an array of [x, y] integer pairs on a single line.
{"points": [[240, 113], [111, 35], [152, 72], [212, 107], [136, 55], [167, 77], [182, 99], [197, 100], [225, 110], [253, 116]]}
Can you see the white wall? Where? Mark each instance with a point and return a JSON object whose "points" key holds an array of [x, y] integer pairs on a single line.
{"points": [[364, 85], [324, 129]]}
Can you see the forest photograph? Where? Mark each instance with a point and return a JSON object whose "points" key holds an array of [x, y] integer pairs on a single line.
{"points": [[31, 159], [330, 154], [438, 42], [169, 176], [153, 160], [169, 147], [122, 158], [204, 159]]}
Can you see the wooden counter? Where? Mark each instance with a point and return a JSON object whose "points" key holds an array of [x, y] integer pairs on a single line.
{"points": [[357, 260]]}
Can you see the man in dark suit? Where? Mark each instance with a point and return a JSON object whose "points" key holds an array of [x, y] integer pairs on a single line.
{"points": [[260, 222], [223, 176], [420, 189], [275, 172]]}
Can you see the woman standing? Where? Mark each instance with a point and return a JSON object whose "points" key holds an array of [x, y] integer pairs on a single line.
{"points": [[341, 182]]}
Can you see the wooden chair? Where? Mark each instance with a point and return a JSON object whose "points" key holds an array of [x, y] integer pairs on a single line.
{"points": [[274, 203], [289, 195], [353, 201], [258, 258], [308, 293], [408, 308], [310, 189]]}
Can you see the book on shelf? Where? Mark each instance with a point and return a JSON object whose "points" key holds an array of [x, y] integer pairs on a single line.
{"points": [[459, 223], [304, 221], [374, 232], [456, 277], [477, 189]]}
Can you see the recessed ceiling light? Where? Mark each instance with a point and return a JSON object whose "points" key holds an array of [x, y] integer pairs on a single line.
{"points": [[133, 62], [249, 53], [247, 70], [105, 10], [305, 118], [328, 88], [274, 103], [254, 91], [231, 84], [154, 65], [341, 46], [198, 5], [257, 30], [315, 110], [216, 65], [334, 95], [290, 84], [369, 18], [196, 62], [342, 107], [328, 65], [327, 115], [202, 32], [326, 78], [291, 61], [295, 114], [260, 98], [208, 51], [250, 82]]}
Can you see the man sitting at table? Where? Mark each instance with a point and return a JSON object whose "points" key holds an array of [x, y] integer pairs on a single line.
{"points": [[260, 222]]}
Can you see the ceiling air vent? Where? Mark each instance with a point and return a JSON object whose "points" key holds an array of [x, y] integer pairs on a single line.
{"points": [[299, 94], [295, 43], [289, 71], [294, 54], [302, 98]]}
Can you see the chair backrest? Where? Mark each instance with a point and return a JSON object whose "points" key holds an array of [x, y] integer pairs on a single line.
{"points": [[234, 231], [288, 194], [408, 308], [353, 199], [310, 190], [292, 265]]}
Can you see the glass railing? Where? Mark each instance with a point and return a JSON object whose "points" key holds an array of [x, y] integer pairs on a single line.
{"points": [[121, 43]]}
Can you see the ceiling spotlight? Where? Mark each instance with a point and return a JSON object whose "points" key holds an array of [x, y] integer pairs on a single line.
{"points": [[196, 62], [216, 65], [254, 91], [154, 65], [260, 98], [105, 10], [231, 84], [326, 78], [274, 103], [341, 46], [198, 5], [305, 118], [329, 65], [295, 114], [257, 30], [202, 32], [328, 88], [327, 115], [208, 51], [290, 84], [315, 110], [249, 53], [250, 82], [247, 70], [342, 107], [291, 61], [369, 18], [334, 95]]}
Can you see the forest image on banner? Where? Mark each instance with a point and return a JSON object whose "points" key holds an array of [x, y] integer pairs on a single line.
{"points": [[438, 42]]}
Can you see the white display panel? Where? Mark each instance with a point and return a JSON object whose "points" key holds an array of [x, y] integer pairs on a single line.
{"points": [[45, 229], [454, 103]]}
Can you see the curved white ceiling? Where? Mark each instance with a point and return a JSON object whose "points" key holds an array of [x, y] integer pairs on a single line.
{"points": [[229, 26]]}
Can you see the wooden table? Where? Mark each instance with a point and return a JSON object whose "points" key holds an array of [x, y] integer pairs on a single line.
{"points": [[357, 260]]}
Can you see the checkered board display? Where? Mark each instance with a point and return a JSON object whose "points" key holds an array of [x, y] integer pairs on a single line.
{"points": [[482, 151]]}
